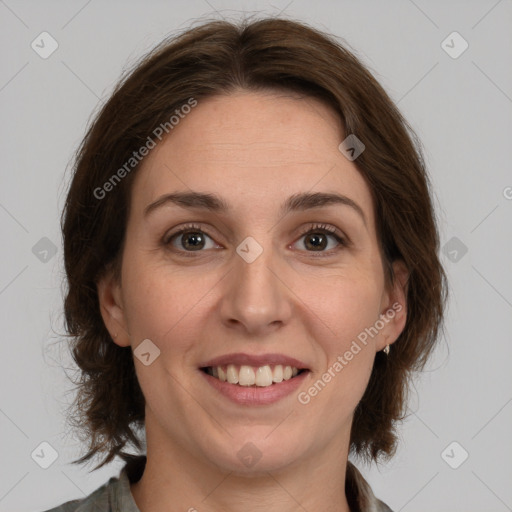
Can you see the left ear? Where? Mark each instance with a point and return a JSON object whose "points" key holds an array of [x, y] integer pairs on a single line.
{"points": [[394, 311]]}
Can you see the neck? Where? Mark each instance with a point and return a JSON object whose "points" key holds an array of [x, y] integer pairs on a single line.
{"points": [[174, 476]]}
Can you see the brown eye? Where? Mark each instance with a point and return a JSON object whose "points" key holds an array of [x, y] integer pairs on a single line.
{"points": [[189, 240], [192, 238], [316, 239]]}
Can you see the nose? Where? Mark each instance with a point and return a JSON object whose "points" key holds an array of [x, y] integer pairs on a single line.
{"points": [[256, 298]]}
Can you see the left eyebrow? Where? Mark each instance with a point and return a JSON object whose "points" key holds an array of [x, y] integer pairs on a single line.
{"points": [[212, 202], [308, 201]]}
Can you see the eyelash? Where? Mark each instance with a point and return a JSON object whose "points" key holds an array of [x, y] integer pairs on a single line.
{"points": [[314, 228]]}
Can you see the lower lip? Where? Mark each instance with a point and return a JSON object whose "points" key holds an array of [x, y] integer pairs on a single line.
{"points": [[256, 395]]}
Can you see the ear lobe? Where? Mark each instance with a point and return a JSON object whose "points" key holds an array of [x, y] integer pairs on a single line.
{"points": [[396, 308], [111, 307]]}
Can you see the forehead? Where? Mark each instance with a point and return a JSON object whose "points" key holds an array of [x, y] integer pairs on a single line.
{"points": [[254, 149]]}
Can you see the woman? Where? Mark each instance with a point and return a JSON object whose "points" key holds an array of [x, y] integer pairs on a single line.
{"points": [[251, 254]]}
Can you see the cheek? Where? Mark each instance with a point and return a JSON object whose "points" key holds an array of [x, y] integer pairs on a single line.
{"points": [[349, 304], [162, 302], [350, 308]]}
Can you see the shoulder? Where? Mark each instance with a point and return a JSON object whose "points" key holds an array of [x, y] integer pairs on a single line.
{"points": [[112, 496], [97, 501], [382, 507], [359, 493]]}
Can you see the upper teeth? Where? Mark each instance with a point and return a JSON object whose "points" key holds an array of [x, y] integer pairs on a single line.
{"points": [[248, 376]]}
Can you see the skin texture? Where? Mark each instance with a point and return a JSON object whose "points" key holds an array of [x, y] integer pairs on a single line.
{"points": [[255, 150]]}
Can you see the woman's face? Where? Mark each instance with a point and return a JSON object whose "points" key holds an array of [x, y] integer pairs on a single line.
{"points": [[248, 287]]}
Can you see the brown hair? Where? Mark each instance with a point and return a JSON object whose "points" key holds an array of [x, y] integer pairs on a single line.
{"points": [[217, 58]]}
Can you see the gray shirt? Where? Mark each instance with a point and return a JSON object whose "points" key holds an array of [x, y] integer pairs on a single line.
{"points": [[115, 495]]}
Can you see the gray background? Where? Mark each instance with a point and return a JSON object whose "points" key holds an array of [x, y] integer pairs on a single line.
{"points": [[460, 107]]}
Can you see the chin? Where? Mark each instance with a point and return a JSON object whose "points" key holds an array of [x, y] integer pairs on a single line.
{"points": [[257, 454]]}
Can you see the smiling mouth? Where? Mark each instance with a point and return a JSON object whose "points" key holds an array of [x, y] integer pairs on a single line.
{"points": [[244, 375]]}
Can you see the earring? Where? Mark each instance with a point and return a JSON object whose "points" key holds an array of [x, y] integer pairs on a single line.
{"points": [[115, 335], [386, 350]]}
